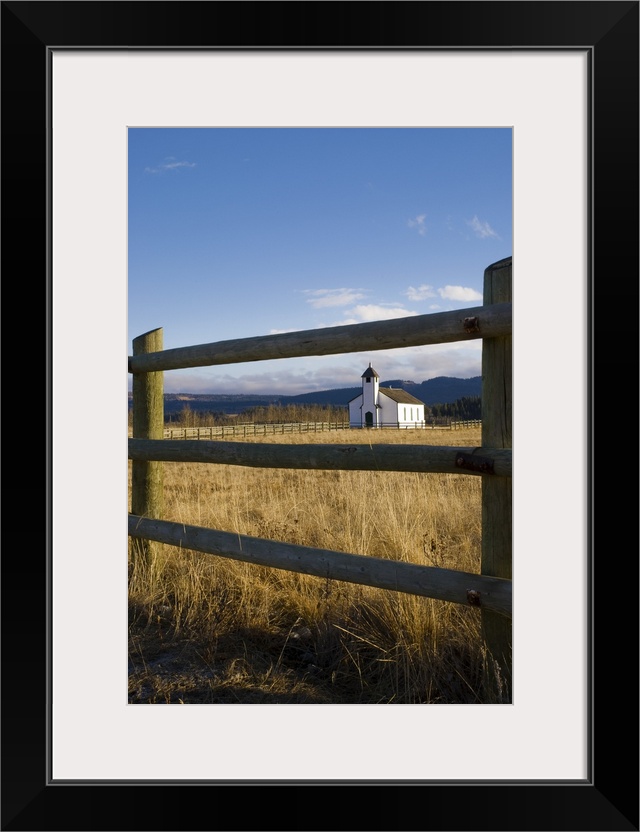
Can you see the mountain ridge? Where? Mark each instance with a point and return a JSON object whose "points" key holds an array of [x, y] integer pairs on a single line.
{"points": [[439, 390]]}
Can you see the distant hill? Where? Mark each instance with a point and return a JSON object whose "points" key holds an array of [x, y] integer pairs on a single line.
{"points": [[440, 390]]}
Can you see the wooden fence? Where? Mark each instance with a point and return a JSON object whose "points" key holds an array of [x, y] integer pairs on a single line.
{"points": [[466, 423], [275, 428], [490, 591], [251, 429]]}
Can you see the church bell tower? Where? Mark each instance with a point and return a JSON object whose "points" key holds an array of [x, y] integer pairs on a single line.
{"points": [[370, 388]]}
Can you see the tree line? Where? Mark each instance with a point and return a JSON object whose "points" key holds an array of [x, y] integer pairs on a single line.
{"points": [[466, 408], [260, 414]]}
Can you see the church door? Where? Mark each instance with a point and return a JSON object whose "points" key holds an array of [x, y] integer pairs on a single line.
{"points": [[368, 419]]}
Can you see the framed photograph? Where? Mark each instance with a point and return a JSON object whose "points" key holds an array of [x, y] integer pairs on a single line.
{"points": [[563, 78]]}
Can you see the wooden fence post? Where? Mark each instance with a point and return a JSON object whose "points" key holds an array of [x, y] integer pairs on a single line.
{"points": [[497, 492], [148, 423]]}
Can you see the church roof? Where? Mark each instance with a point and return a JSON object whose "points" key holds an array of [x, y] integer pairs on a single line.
{"points": [[399, 395], [369, 373]]}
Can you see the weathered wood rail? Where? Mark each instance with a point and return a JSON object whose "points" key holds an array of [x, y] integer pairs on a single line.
{"points": [[419, 330], [334, 457], [427, 581], [490, 591]]}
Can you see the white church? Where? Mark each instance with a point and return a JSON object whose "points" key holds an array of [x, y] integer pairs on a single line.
{"points": [[378, 407]]}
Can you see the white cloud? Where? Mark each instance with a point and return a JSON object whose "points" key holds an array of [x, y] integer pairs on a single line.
{"points": [[375, 312], [424, 291], [363, 313], [482, 229], [170, 163], [459, 293], [418, 223], [421, 293], [461, 359], [322, 298]]}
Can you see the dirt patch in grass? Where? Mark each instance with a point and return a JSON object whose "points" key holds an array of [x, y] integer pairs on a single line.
{"points": [[250, 666]]}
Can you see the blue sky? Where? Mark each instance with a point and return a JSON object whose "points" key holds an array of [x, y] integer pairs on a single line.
{"points": [[235, 233]]}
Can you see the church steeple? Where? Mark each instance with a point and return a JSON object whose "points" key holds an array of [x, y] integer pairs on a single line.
{"points": [[370, 393], [370, 373]]}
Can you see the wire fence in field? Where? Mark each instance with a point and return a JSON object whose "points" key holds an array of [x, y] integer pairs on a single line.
{"points": [[275, 428]]}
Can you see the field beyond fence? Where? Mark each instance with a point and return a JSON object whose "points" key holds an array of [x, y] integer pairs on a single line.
{"points": [[270, 635]]}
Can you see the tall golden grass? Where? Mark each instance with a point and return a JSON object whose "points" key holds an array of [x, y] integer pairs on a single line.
{"points": [[206, 629]]}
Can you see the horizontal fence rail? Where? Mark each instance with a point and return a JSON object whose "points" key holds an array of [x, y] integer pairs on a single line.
{"points": [[427, 581], [421, 459], [438, 328]]}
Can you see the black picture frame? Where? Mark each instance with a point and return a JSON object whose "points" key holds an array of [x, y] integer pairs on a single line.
{"points": [[608, 799]]}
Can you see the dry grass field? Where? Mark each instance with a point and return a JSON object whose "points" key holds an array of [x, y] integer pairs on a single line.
{"points": [[207, 629]]}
